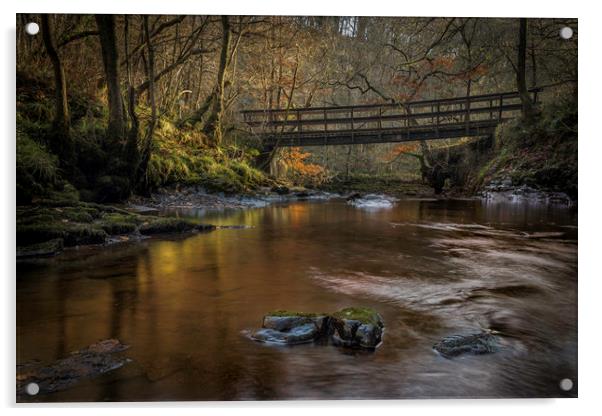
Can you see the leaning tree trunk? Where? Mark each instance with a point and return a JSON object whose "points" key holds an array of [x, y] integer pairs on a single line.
{"points": [[110, 59], [61, 121], [521, 69]]}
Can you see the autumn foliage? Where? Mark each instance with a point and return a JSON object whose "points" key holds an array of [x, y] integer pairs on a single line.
{"points": [[300, 170], [404, 148]]}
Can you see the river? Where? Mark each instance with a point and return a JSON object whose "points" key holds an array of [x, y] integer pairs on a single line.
{"points": [[186, 304]]}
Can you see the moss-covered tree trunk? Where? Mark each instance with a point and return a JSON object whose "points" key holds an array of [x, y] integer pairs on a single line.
{"points": [[61, 122], [110, 59], [213, 126]]}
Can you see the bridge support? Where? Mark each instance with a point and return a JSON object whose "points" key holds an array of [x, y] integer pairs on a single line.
{"points": [[265, 159]]}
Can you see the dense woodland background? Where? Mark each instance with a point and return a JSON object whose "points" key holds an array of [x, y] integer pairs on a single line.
{"points": [[110, 105]]}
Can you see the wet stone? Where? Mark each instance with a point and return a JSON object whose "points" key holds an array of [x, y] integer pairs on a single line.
{"points": [[476, 344], [350, 327], [357, 327], [62, 374], [296, 335]]}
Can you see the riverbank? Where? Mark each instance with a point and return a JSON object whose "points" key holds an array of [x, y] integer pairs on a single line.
{"points": [[389, 185], [49, 226], [46, 228]]}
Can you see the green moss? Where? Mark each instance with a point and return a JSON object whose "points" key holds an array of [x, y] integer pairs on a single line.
{"points": [[72, 234], [180, 157], [159, 225], [46, 248], [37, 169], [77, 223], [294, 313], [364, 315], [115, 228], [119, 223], [542, 154]]}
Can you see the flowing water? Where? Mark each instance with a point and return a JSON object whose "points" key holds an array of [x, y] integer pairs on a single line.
{"points": [[186, 304]]}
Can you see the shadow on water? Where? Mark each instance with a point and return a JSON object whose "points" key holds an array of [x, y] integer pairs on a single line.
{"points": [[431, 268]]}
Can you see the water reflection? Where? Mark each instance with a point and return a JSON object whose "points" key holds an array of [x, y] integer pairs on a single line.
{"points": [[431, 268]]}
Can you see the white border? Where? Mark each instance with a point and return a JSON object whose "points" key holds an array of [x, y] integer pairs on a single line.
{"points": [[590, 153]]}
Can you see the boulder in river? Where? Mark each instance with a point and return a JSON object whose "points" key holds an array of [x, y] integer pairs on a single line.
{"points": [[357, 327], [351, 327], [452, 346]]}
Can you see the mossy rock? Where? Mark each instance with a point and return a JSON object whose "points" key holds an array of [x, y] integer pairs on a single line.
{"points": [[363, 315], [72, 234], [47, 248], [80, 223], [118, 223], [351, 327], [282, 313]]}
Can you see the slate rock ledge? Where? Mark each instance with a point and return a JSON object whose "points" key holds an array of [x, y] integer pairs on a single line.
{"points": [[349, 327]]}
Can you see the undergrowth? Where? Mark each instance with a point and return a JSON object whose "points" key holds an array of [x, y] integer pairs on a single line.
{"points": [[542, 154]]}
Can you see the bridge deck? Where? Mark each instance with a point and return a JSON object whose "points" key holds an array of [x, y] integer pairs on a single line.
{"points": [[471, 116]]}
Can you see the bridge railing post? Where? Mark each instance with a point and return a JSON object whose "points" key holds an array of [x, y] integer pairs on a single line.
{"points": [[325, 125], [408, 115], [352, 127], [299, 126], [438, 111], [501, 108], [467, 118], [380, 123]]}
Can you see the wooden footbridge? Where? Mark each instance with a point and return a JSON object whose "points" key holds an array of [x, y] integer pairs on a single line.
{"points": [[469, 116]]}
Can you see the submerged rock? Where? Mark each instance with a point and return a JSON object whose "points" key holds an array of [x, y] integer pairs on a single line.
{"points": [[357, 327], [45, 249], [89, 362], [351, 327], [372, 201], [296, 335], [483, 343]]}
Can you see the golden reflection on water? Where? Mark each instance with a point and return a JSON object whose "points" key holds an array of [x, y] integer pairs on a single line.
{"points": [[183, 303]]}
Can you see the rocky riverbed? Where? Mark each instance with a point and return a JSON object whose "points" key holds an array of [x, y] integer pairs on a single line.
{"points": [[505, 190], [198, 197]]}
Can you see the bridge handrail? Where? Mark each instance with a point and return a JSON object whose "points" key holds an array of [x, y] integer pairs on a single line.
{"points": [[376, 118], [480, 123], [368, 107]]}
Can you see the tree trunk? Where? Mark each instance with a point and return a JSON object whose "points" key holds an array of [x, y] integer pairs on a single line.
{"points": [[110, 59], [148, 140], [131, 148], [61, 105], [213, 127], [521, 78]]}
